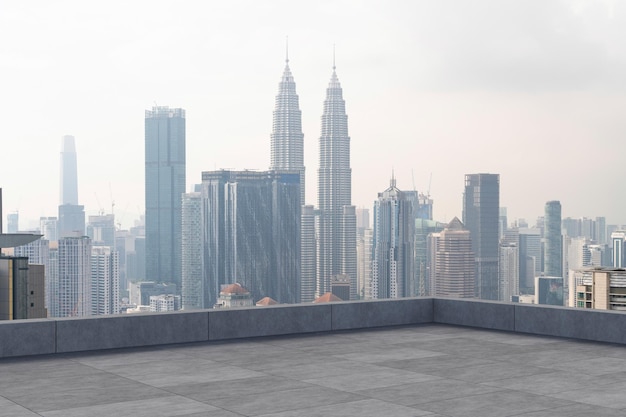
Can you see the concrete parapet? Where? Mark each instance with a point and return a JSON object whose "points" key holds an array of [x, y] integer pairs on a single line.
{"points": [[110, 332], [596, 325], [475, 313], [378, 313], [27, 337], [275, 320]]}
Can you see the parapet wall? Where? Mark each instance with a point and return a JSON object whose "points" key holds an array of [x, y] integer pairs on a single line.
{"points": [[46, 336]]}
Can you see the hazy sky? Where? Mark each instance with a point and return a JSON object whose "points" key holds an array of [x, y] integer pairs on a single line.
{"points": [[532, 90]]}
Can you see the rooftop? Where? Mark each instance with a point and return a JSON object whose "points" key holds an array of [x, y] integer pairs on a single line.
{"points": [[403, 358], [419, 370]]}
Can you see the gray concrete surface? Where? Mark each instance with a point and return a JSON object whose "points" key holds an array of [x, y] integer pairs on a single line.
{"points": [[420, 370]]}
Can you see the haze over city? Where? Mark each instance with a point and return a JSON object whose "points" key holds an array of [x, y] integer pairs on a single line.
{"points": [[533, 91]]}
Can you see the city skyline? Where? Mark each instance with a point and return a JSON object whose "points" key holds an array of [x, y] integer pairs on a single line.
{"points": [[422, 81]]}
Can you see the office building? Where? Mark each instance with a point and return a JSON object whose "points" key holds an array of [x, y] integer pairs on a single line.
{"points": [[618, 238], [48, 228], [598, 288], [393, 256], [509, 271], [252, 232], [105, 281], [529, 258], [13, 220], [549, 291], [38, 253], [287, 137], [22, 291], [423, 264], [340, 286], [453, 266], [165, 184], [101, 230], [74, 277], [194, 292], [140, 292], [365, 239], [553, 252], [308, 255], [71, 220], [336, 249], [164, 302], [481, 214]]}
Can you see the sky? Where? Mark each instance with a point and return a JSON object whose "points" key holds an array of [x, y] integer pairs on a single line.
{"points": [[533, 90]]}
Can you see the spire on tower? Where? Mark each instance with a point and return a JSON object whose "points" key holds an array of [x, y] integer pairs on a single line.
{"points": [[334, 57], [287, 49]]}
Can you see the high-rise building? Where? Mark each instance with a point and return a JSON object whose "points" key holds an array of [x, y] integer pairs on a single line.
{"points": [[74, 277], [194, 292], [337, 217], [105, 281], [287, 137], [69, 172], [308, 255], [509, 271], [165, 184], [553, 252], [48, 228], [529, 258], [393, 251], [549, 291], [21, 289], [252, 232], [598, 288], [619, 248], [481, 213], [364, 238], [71, 215], [452, 268], [423, 264], [38, 253], [101, 230], [13, 221]]}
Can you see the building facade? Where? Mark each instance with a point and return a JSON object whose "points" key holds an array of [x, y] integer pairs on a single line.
{"points": [[481, 214], [194, 292], [165, 183], [105, 281], [252, 232], [393, 248], [336, 251], [553, 250], [73, 283]]}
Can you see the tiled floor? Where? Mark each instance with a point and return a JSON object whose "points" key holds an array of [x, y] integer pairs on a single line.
{"points": [[430, 370]]}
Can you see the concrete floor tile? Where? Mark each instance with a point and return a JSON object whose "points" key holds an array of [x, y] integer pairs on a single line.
{"points": [[375, 378], [9, 408], [363, 408], [611, 395]]}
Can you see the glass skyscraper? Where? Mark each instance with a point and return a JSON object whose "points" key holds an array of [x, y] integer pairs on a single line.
{"points": [[553, 252], [165, 184], [252, 233], [481, 216], [337, 217]]}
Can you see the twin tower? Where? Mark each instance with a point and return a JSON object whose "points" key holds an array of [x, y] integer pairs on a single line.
{"points": [[330, 251]]}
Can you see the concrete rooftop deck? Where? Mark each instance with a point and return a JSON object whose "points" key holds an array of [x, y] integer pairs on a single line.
{"points": [[418, 370]]}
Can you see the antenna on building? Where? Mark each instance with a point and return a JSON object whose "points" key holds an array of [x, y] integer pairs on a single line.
{"points": [[334, 57], [287, 49], [430, 180]]}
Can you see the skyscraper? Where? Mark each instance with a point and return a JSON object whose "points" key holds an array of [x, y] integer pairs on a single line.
{"points": [[74, 277], [71, 215], [553, 252], [308, 255], [452, 269], [287, 136], [252, 229], [69, 175], [393, 261], [165, 184], [105, 281], [194, 292], [337, 217], [481, 214]]}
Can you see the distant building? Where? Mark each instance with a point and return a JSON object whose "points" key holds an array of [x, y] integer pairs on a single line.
{"points": [[101, 230], [194, 292], [452, 271], [481, 215], [105, 281], [252, 232], [234, 295], [308, 255], [423, 264], [140, 292], [365, 239], [529, 258], [598, 288], [164, 302], [48, 228], [165, 164], [22, 289], [38, 253], [509, 271], [549, 291], [13, 221], [618, 238], [71, 220], [74, 277], [393, 256], [329, 297], [553, 252], [340, 286]]}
